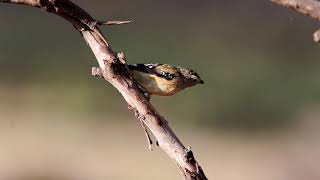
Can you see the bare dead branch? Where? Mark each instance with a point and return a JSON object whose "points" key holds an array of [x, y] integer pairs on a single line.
{"points": [[113, 69], [307, 7]]}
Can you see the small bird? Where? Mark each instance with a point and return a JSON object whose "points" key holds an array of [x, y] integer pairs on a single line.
{"points": [[163, 79]]}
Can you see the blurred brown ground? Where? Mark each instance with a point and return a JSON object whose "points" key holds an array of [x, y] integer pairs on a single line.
{"points": [[60, 147]]}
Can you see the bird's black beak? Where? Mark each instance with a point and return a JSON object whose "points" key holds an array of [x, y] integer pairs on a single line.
{"points": [[201, 82]]}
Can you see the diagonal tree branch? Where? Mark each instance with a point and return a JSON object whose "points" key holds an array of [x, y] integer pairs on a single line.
{"points": [[307, 7], [114, 71]]}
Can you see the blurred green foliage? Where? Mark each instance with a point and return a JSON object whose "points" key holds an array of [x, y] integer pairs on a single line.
{"points": [[258, 60]]}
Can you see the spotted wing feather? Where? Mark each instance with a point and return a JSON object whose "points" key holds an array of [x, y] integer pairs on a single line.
{"points": [[152, 69]]}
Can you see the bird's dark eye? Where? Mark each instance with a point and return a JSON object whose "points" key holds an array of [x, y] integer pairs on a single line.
{"points": [[167, 75]]}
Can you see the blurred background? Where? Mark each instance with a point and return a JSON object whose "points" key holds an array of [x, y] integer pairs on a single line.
{"points": [[256, 117]]}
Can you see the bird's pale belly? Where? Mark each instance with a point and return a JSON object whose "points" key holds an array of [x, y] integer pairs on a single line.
{"points": [[156, 86]]}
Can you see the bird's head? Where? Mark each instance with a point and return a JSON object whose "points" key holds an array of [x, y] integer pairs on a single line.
{"points": [[191, 78]]}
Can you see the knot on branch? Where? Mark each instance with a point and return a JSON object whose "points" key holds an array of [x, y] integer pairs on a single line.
{"points": [[95, 71], [198, 174], [136, 113], [189, 156], [115, 64], [119, 66]]}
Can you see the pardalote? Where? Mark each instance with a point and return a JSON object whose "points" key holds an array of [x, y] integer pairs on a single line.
{"points": [[163, 79]]}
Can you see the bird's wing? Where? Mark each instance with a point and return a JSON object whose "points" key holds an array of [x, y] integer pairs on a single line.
{"points": [[146, 68], [155, 69]]}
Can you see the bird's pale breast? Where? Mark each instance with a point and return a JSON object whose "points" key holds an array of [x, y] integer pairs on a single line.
{"points": [[156, 85]]}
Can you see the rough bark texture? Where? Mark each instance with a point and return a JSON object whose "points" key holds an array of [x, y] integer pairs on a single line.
{"points": [[114, 71], [307, 7]]}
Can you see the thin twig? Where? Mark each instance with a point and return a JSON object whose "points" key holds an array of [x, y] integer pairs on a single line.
{"points": [[147, 135], [113, 22]]}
